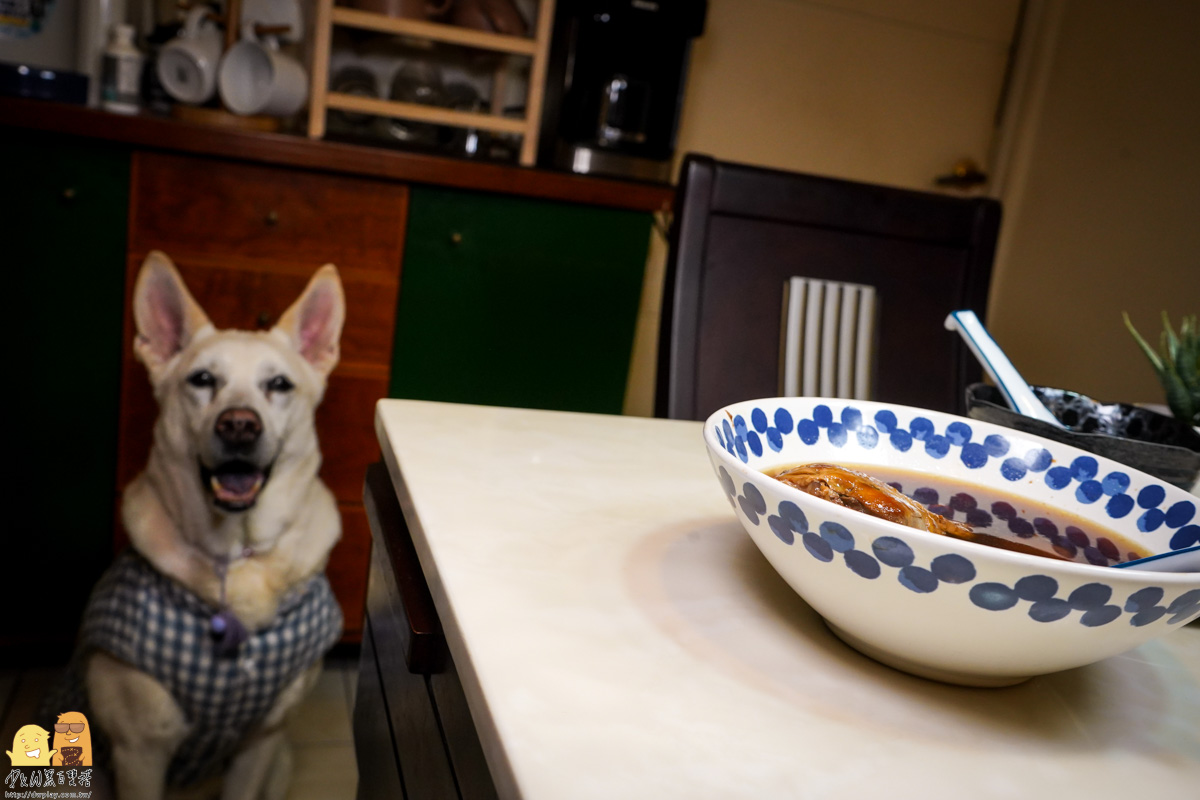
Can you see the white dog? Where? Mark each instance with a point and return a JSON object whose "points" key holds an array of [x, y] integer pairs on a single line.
{"points": [[201, 637]]}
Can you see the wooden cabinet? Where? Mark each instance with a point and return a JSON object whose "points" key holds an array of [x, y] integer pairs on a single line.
{"points": [[63, 231], [518, 301], [520, 287], [246, 239]]}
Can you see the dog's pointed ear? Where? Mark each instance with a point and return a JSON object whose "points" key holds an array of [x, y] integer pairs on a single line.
{"points": [[166, 314], [313, 324]]}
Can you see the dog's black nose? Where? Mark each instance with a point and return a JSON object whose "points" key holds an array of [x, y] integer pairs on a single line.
{"points": [[238, 427]]}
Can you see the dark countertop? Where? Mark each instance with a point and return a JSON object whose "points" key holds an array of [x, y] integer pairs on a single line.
{"points": [[293, 150]]}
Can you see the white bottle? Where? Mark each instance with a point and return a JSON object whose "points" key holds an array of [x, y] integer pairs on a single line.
{"points": [[121, 76], [95, 20]]}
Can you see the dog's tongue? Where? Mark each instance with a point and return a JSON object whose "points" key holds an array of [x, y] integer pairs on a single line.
{"points": [[235, 487]]}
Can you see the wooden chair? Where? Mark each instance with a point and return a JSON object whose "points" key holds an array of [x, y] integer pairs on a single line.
{"points": [[783, 283]]}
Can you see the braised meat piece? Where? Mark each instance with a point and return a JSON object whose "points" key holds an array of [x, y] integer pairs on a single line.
{"points": [[861, 492]]}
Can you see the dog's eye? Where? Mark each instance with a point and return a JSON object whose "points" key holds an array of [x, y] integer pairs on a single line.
{"points": [[280, 384], [202, 379]]}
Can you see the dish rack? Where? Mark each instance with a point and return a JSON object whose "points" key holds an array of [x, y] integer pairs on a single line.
{"points": [[329, 16]]}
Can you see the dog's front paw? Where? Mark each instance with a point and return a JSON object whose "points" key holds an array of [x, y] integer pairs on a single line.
{"points": [[251, 595]]}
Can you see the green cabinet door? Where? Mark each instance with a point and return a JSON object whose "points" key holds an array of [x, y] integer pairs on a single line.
{"points": [[517, 302], [65, 209]]}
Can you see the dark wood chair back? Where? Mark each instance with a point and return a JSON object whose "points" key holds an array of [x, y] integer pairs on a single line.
{"points": [[740, 233]]}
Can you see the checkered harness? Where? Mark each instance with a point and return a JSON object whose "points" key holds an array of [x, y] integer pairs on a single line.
{"points": [[155, 624]]}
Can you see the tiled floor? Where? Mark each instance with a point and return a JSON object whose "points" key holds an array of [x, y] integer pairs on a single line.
{"points": [[322, 742], [320, 730]]}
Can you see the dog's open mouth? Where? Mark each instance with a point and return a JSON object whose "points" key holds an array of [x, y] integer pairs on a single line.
{"points": [[234, 485]]}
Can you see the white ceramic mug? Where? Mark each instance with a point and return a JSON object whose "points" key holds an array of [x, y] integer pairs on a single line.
{"points": [[187, 65], [255, 78]]}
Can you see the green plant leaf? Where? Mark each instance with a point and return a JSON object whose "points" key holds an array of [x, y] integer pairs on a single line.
{"points": [[1179, 399], [1155, 361], [1169, 345], [1177, 365]]}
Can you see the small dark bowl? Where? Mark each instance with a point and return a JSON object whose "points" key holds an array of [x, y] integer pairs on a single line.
{"points": [[1138, 437]]}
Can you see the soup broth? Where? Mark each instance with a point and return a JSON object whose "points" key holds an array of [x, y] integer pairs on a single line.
{"points": [[1006, 515]]}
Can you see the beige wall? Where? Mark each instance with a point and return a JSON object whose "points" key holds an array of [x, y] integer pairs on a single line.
{"points": [[890, 91], [1103, 213], [887, 91], [1102, 191]]}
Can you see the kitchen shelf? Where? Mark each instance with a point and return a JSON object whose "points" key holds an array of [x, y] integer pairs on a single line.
{"points": [[65, 123], [423, 113], [330, 16], [432, 31]]}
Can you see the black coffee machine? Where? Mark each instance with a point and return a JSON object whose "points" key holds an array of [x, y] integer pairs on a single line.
{"points": [[614, 85]]}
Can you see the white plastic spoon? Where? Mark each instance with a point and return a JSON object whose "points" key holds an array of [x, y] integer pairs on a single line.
{"points": [[1016, 391]]}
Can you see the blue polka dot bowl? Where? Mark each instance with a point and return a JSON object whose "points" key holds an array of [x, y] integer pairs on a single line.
{"points": [[947, 609]]}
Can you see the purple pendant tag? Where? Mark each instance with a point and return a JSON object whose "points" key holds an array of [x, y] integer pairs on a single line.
{"points": [[228, 632]]}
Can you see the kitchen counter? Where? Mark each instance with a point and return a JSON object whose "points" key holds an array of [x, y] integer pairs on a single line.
{"points": [[617, 635], [291, 150]]}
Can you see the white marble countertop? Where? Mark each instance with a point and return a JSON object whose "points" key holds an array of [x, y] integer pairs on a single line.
{"points": [[618, 635]]}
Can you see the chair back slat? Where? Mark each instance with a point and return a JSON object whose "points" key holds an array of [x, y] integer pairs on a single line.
{"points": [[827, 332]]}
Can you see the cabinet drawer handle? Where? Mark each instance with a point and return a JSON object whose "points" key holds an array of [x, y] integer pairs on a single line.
{"points": [[263, 320], [272, 218], [68, 193], [456, 238]]}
